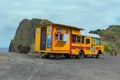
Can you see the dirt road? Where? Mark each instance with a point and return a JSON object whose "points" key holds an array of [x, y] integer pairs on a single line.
{"points": [[15, 66]]}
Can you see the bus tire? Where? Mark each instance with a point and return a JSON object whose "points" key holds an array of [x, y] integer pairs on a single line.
{"points": [[47, 56], [81, 54], [57, 56]]}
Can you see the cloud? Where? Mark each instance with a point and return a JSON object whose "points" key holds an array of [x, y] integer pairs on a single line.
{"points": [[88, 14]]}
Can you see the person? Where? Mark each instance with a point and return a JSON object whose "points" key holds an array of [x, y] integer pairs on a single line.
{"points": [[113, 52]]}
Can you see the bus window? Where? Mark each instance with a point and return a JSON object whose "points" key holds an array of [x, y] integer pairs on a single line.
{"points": [[98, 41], [87, 41], [78, 38], [83, 39], [73, 38]]}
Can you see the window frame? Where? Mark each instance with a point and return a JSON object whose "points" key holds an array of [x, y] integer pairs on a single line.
{"points": [[99, 41], [82, 39], [79, 39], [75, 38]]}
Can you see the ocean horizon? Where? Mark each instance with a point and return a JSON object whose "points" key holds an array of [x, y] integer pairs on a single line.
{"points": [[3, 49]]}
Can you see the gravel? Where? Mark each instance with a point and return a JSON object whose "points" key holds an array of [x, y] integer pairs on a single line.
{"points": [[14, 66]]}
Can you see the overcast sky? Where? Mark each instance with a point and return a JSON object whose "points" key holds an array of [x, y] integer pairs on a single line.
{"points": [[88, 14]]}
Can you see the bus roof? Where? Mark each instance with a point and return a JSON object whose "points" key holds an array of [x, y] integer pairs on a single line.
{"points": [[66, 26], [92, 35]]}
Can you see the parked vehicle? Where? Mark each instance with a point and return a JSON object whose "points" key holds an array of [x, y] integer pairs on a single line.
{"points": [[58, 40]]}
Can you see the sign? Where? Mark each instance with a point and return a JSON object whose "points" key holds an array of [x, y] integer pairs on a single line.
{"points": [[49, 40], [49, 29], [59, 29]]}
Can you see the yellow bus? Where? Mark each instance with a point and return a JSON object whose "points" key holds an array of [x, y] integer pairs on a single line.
{"points": [[59, 40]]}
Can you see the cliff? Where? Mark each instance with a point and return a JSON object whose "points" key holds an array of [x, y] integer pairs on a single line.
{"points": [[25, 33]]}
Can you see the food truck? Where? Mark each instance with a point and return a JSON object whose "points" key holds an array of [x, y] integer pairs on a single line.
{"points": [[63, 40]]}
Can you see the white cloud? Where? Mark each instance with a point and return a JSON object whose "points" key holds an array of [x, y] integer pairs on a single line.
{"points": [[90, 14]]}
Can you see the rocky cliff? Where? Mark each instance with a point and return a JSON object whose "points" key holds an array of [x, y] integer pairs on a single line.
{"points": [[110, 37], [25, 33]]}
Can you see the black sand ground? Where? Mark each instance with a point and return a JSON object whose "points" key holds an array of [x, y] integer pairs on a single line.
{"points": [[15, 66]]}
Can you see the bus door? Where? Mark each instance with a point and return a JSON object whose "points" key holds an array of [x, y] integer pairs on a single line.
{"points": [[43, 39], [93, 46]]}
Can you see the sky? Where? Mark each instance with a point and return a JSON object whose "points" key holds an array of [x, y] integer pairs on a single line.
{"points": [[87, 14]]}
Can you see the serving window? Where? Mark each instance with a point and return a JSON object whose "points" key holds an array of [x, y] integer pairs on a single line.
{"points": [[59, 37]]}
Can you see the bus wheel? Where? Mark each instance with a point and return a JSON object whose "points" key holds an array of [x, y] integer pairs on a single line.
{"points": [[57, 56], [81, 54], [47, 56]]}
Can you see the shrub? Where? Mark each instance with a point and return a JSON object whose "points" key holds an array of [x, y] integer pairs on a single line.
{"points": [[23, 49], [106, 48]]}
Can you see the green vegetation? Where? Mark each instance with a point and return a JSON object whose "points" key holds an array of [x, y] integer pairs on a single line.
{"points": [[106, 48]]}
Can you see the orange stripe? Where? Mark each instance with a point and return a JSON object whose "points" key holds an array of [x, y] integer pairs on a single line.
{"points": [[81, 47]]}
